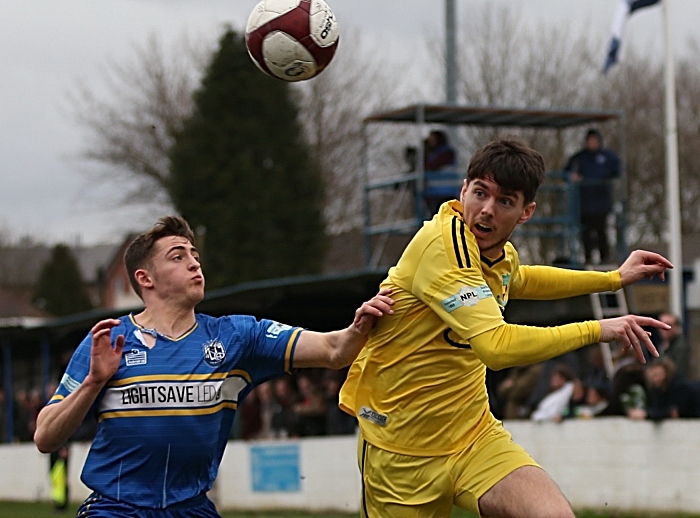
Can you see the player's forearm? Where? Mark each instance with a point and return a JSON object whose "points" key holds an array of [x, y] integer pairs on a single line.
{"points": [[345, 345], [547, 282], [333, 350], [57, 422], [509, 345]]}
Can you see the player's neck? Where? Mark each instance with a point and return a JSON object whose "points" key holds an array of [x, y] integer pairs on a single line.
{"points": [[169, 321]]}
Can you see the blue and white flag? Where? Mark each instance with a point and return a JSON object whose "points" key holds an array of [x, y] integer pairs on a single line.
{"points": [[624, 9]]}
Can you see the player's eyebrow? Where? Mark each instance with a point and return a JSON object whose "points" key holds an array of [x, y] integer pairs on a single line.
{"points": [[193, 250], [501, 191]]}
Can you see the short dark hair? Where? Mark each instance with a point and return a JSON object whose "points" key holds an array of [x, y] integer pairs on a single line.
{"points": [[511, 163], [140, 250]]}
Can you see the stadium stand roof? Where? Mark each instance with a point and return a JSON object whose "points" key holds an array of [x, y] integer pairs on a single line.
{"points": [[493, 116]]}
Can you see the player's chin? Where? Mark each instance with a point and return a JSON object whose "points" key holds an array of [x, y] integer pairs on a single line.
{"points": [[197, 294]]}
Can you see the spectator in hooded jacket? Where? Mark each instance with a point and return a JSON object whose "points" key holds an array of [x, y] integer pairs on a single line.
{"points": [[594, 167]]}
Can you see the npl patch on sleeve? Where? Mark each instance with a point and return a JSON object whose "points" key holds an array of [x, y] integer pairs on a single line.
{"points": [[466, 296]]}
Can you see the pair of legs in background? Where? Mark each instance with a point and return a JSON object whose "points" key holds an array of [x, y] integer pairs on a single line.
{"points": [[594, 235], [494, 477]]}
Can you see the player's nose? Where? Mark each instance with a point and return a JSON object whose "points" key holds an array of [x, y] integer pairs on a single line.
{"points": [[488, 206], [193, 264]]}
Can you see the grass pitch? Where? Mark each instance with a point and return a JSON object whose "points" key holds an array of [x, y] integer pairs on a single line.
{"points": [[42, 510]]}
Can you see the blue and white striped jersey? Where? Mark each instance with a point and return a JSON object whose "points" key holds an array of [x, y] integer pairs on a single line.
{"points": [[165, 416]]}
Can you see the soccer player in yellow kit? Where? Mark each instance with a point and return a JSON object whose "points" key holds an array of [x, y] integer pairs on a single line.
{"points": [[428, 439]]}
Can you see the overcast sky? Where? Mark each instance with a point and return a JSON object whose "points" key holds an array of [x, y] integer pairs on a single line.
{"points": [[47, 46]]}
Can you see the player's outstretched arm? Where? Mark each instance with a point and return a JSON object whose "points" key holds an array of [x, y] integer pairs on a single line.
{"points": [[510, 345], [338, 349], [642, 264], [57, 422]]}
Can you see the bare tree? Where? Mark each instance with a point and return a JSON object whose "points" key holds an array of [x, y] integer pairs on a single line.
{"points": [[130, 126], [333, 107], [688, 97], [505, 63], [131, 123]]}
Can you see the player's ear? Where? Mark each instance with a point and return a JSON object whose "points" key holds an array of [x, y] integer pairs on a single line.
{"points": [[143, 278], [465, 185], [528, 211]]}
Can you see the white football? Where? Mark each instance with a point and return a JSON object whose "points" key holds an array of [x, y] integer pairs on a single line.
{"points": [[292, 40]]}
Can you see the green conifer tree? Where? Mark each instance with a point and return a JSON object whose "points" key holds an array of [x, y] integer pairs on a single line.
{"points": [[241, 170], [61, 290]]}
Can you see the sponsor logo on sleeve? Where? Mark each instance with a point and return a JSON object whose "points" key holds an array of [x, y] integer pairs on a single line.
{"points": [[373, 416], [70, 383], [466, 296], [275, 329]]}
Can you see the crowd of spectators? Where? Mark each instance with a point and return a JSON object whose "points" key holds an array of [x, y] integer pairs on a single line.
{"points": [[26, 404], [25, 407], [294, 406]]}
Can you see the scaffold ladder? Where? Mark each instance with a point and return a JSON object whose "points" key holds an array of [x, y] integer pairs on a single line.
{"points": [[609, 304]]}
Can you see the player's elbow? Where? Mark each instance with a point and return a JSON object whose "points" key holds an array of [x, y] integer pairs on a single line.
{"points": [[493, 361], [337, 361], [491, 347], [44, 442]]}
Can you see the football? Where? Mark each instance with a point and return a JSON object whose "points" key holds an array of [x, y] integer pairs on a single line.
{"points": [[293, 40]]}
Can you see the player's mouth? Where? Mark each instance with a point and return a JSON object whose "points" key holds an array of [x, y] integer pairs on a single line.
{"points": [[481, 229]]}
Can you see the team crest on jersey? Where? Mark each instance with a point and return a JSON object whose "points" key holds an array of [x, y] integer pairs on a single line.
{"points": [[214, 353]]}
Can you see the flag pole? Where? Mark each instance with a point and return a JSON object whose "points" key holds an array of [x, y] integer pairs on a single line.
{"points": [[673, 204]]}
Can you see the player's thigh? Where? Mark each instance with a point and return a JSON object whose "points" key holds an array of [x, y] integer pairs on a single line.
{"points": [[490, 459], [527, 492], [402, 486]]}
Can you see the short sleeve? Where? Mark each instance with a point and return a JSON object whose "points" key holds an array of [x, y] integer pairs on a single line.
{"points": [[460, 296], [466, 304], [77, 370], [271, 349]]}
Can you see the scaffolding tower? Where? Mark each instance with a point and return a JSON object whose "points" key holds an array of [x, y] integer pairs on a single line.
{"points": [[395, 204]]}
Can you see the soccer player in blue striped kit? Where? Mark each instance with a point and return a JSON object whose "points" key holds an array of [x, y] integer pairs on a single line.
{"points": [[165, 383]]}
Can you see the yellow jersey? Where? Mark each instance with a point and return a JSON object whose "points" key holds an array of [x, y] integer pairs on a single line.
{"points": [[418, 385]]}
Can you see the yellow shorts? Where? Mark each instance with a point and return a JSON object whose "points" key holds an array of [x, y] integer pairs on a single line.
{"points": [[403, 486]]}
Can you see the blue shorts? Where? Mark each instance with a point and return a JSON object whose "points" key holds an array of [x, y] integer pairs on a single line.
{"points": [[98, 506]]}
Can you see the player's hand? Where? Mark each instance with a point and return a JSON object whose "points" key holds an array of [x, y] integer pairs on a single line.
{"points": [[628, 331], [643, 265], [105, 358], [367, 314]]}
